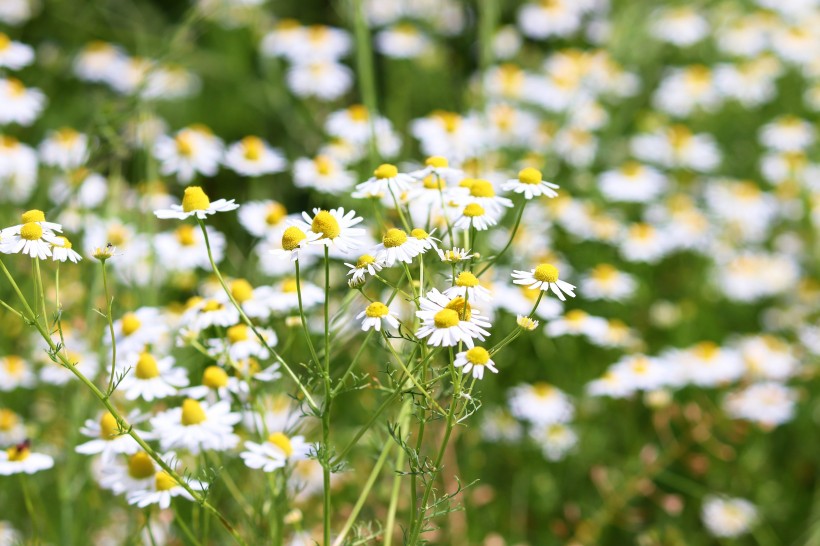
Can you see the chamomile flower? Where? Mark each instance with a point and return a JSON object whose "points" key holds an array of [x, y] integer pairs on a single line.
{"points": [[14, 55], [367, 264], [402, 41], [476, 360], [20, 459], [544, 278], [769, 404], [135, 330], [294, 243], [264, 219], [19, 104], [79, 188], [386, 180], [482, 192], [33, 238], [448, 321], [540, 404], [334, 227], [134, 474], [18, 169], [12, 429], [555, 440], [396, 246], [241, 343], [632, 183], [606, 282], [197, 426], [252, 156], [324, 79], [728, 517], [530, 182], [475, 216], [61, 251], [578, 323], [151, 378], [184, 248], [439, 168], [324, 173], [192, 150], [161, 489], [196, 202], [109, 440], [278, 450], [207, 312], [454, 255], [467, 286], [64, 148], [375, 314]]}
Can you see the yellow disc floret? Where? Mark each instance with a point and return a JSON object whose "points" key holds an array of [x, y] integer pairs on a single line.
{"points": [[433, 182], [195, 199], [130, 324], [253, 148], [108, 427], [17, 454], [163, 481], [376, 310], [212, 306], [365, 260], [237, 333], [460, 306], [62, 242], [446, 318], [281, 441], [214, 377], [473, 210], [292, 237], [8, 419], [386, 170], [394, 237], [192, 412], [465, 278], [275, 213], [436, 161], [419, 233], [478, 356], [31, 231], [140, 466], [147, 367], [185, 235], [546, 273], [482, 188], [33, 215], [529, 176], [326, 224], [241, 290]]}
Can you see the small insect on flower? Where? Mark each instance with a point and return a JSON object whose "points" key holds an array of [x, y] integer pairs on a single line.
{"points": [[474, 215], [386, 179], [20, 459], [196, 202], [475, 359], [103, 253], [530, 182], [544, 277], [61, 251], [276, 452], [375, 314], [366, 264]]}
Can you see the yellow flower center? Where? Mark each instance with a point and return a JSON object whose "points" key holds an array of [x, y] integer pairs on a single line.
{"points": [[323, 164], [238, 333], [419, 233], [465, 278], [8, 419], [16, 87], [130, 324], [276, 212], [140, 466], [211, 306], [62, 242], [14, 365], [326, 224], [631, 169], [473, 210], [446, 318], [185, 144], [529, 176], [281, 441], [108, 427], [18, 454], [450, 120], [192, 412], [163, 481], [377, 310], [394, 237], [185, 235], [707, 350], [546, 273], [358, 112], [214, 377], [5, 41], [386, 170], [241, 290], [365, 260], [195, 199], [33, 215], [575, 316], [289, 286], [433, 182], [604, 273], [543, 390], [292, 237], [436, 161], [147, 367], [117, 235], [253, 148], [31, 231], [477, 356], [460, 306], [482, 188]]}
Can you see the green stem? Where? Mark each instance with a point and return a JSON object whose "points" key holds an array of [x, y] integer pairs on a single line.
{"points": [[327, 405], [303, 317], [109, 301]]}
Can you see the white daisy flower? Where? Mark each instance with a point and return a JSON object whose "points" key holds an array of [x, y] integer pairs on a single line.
{"points": [[474, 215], [606, 282], [632, 183], [334, 227], [81, 189], [425, 239], [108, 442], [545, 278], [196, 202], [20, 459], [197, 426], [135, 474], [12, 430], [454, 255], [326, 80], [65, 149], [769, 404], [375, 314], [555, 440], [14, 55], [252, 156], [475, 359], [366, 264], [241, 343], [184, 248], [386, 180], [276, 452], [192, 150], [579, 323], [530, 182], [208, 312], [467, 286], [728, 517], [396, 246], [402, 41], [145, 326], [323, 173], [449, 321], [31, 238], [161, 490], [263, 218], [61, 251], [540, 404], [19, 104], [482, 192], [151, 378], [294, 242]]}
